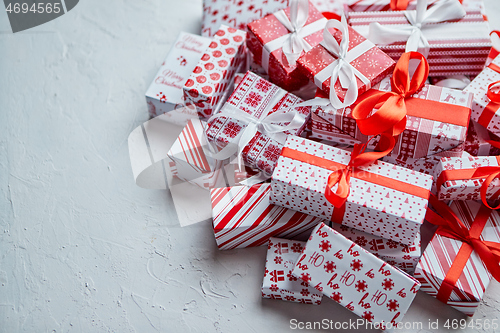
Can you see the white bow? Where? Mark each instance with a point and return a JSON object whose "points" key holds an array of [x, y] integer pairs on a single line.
{"points": [[441, 11]]}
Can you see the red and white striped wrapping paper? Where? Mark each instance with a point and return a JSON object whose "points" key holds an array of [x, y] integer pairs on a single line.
{"points": [[253, 96], [404, 257], [189, 161], [466, 189], [207, 86], [485, 112], [373, 208], [456, 48], [478, 141], [243, 217], [422, 137], [355, 278], [279, 283], [441, 253], [384, 5]]}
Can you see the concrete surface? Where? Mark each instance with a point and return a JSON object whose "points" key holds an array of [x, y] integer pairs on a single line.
{"points": [[82, 248]]}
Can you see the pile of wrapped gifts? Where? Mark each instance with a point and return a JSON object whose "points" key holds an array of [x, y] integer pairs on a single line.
{"points": [[352, 125]]}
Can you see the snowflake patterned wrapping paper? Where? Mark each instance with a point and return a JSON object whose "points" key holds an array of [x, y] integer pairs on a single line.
{"points": [[479, 139], [385, 200], [368, 61], [165, 92], [279, 283], [243, 217], [259, 98], [437, 120], [456, 48], [453, 177], [443, 251], [355, 278], [485, 111], [404, 257], [266, 38], [207, 86], [188, 159]]}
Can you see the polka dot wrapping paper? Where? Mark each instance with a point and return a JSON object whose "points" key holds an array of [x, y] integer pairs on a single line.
{"points": [[207, 86], [355, 278], [372, 205]]}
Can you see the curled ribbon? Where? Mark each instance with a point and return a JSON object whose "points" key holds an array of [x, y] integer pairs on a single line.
{"points": [[391, 114], [493, 96], [419, 19], [342, 176], [452, 227], [488, 173]]}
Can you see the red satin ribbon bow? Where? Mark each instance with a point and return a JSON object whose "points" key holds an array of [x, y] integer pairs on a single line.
{"points": [[391, 115], [493, 96], [399, 4], [452, 227], [488, 173], [342, 176]]}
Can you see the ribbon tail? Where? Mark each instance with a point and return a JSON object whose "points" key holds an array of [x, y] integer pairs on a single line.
{"points": [[385, 34]]}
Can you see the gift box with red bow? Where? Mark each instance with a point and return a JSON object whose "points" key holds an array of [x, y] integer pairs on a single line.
{"points": [[351, 188], [255, 121], [404, 257], [243, 217], [277, 40], [279, 283], [207, 86], [465, 178], [445, 33], [485, 88], [460, 260], [386, 5], [481, 142], [355, 278], [426, 119], [347, 59]]}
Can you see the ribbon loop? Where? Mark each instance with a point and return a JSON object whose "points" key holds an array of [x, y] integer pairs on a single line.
{"points": [[494, 96]]}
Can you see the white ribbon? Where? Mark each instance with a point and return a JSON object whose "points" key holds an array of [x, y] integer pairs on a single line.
{"points": [[341, 68], [441, 11], [292, 43]]}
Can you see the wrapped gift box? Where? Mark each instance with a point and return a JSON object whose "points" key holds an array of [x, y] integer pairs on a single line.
{"points": [[442, 252], [207, 86], [189, 161], [279, 283], [448, 55], [364, 56], [461, 187], [484, 111], [375, 205], [427, 132], [266, 37], [404, 257], [355, 278], [165, 92], [384, 5], [479, 141], [235, 13], [259, 98], [243, 217]]}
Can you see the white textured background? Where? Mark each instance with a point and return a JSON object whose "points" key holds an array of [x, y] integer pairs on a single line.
{"points": [[82, 249]]}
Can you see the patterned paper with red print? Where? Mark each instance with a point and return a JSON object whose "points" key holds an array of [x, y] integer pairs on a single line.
{"points": [[478, 141], [279, 283], [208, 84], [355, 278]]}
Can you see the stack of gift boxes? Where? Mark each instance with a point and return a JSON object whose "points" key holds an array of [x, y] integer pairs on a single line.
{"points": [[339, 185]]}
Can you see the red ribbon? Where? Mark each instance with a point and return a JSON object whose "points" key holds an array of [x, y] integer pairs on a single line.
{"points": [[452, 227], [494, 97], [488, 173], [399, 4]]}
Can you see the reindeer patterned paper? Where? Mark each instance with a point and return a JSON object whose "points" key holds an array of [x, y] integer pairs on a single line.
{"points": [[279, 283], [373, 208], [253, 96], [355, 278], [422, 137], [165, 92], [208, 84], [479, 88], [478, 141], [404, 257], [466, 189], [267, 29], [442, 252]]}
